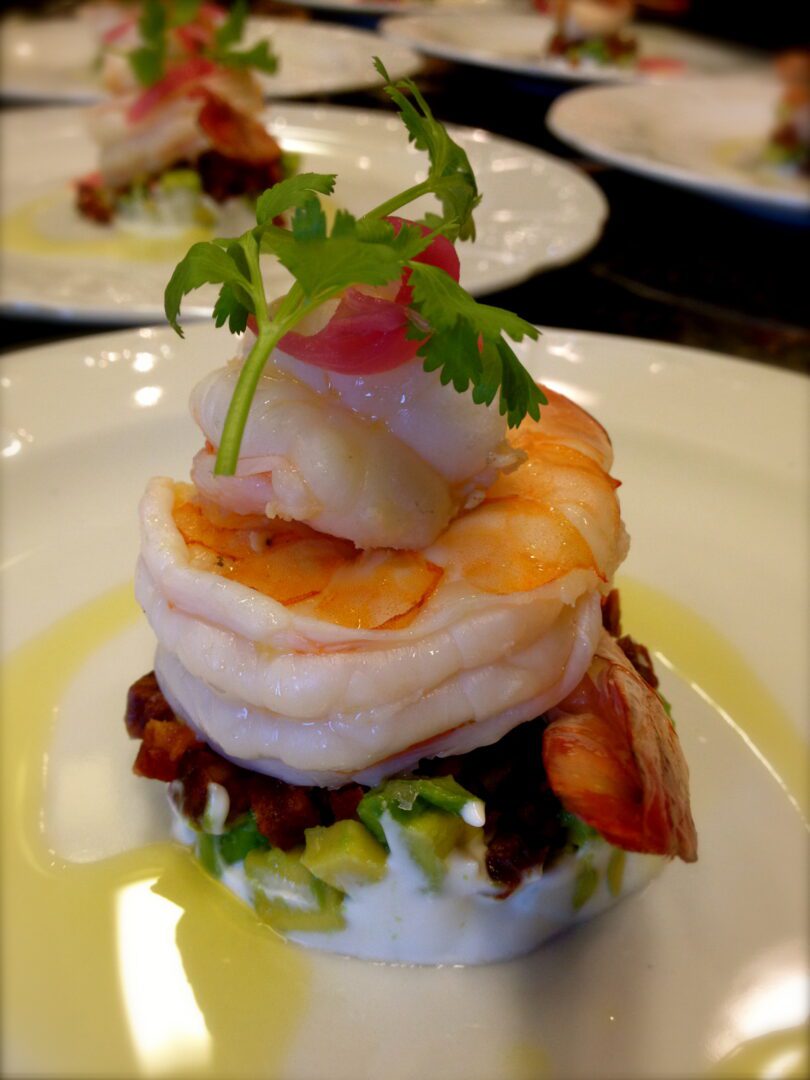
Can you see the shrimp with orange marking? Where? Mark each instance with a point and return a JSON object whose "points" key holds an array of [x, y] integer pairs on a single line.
{"points": [[391, 575], [613, 758], [349, 659]]}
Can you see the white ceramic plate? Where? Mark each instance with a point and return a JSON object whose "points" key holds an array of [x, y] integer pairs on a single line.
{"points": [[708, 135], [537, 211], [409, 7], [702, 974], [515, 42], [53, 59]]}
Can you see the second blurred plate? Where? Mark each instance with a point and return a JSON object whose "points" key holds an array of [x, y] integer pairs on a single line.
{"points": [[709, 135], [537, 211], [515, 42], [55, 59]]}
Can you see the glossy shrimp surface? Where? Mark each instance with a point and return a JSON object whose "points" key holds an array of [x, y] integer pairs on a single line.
{"points": [[612, 758], [383, 460], [305, 657], [139, 137]]}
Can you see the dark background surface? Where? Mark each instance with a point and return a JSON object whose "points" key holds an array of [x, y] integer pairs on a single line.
{"points": [[671, 265]]}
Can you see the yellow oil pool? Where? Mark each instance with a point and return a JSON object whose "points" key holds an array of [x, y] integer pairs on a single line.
{"points": [[141, 964]]}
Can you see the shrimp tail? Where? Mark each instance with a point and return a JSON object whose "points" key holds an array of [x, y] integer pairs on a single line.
{"points": [[613, 758]]}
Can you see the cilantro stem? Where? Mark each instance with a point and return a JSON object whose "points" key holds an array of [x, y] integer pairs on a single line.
{"points": [[232, 432], [398, 201], [270, 332], [292, 309]]}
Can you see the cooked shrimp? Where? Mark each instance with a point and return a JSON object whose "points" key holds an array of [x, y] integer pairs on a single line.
{"points": [[579, 19], [139, 134], [292, 651], [384, 460], [613, 758], [128, 151]]}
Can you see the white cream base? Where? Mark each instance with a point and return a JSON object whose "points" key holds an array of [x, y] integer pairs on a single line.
{"points": [[399, 920]]}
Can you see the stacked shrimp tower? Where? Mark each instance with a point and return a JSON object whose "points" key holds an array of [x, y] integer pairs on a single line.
{"points": [[390, 577], [386, 577]]}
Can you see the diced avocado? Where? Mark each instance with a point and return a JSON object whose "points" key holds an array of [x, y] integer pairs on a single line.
{"points": [[216, 852], [217, 806], [288, 897], [579, 832], [290, 162], [235, 844], [399, 797], [180, 179], [344, 855], [208, 853], [429, 838], [287, 919], [585, 885], [615, 870]]}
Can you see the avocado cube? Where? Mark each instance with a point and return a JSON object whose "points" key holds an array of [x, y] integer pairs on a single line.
{"points": [[287, 896], [429, 838], [344, 855]]}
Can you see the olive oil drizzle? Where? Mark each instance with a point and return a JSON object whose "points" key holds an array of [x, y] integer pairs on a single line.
{"points": [[92, 953], [702, 658], [91, 944]]}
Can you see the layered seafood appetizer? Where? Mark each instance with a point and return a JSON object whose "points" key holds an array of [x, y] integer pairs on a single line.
{"points": [[179, 140], [391, 699], [594, 32]]}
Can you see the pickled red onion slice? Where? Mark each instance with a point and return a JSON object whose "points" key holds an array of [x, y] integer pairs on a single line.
{"points": [[367, 334]]}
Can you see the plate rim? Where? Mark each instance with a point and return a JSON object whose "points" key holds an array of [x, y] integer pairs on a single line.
{"points": [[672, 174], [408, 62], [538, 69]]}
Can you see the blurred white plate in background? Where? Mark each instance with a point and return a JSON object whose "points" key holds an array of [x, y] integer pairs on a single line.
{"points": [[409, 7], [708, 135], [54, 59], [516, 42], [537, 211]]}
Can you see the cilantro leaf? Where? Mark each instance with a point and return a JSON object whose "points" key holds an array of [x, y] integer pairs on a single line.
{"points": [[148, 61], [451, 177], [355, 253], [290, 193], [259, 57], [184, 11], [230, 309], [231, 30], [460, 326], [207, 263], [230, 33], [147, 65]]}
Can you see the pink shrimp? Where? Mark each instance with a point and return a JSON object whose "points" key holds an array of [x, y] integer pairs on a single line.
{"points": [[613, 759]]}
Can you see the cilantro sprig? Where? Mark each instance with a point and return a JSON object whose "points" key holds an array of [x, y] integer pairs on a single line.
{"points": [[148, 61], [450, 177], [230, 34], [159, 19], [461, 339], [468, 348]]}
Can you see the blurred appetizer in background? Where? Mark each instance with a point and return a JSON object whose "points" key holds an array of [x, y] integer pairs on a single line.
{"points": [[594, 32], [180, 141], [789, 144], [391, 698]]}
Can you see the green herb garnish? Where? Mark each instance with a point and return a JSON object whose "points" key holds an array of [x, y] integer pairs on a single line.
{"points": [[451, 178], [230, 33], [157, 22], [149, 60], [461, 339]]}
